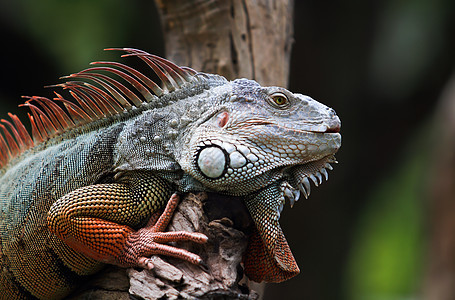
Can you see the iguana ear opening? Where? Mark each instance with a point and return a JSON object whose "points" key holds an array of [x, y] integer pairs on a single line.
{"points": [[268, 256]]}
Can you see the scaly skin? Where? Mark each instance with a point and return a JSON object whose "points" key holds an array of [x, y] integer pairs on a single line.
{"points": [[88, 192]]}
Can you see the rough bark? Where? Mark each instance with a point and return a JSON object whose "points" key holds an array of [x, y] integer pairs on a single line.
{"points": [[233, 38], [440, 273], [221, 219]]}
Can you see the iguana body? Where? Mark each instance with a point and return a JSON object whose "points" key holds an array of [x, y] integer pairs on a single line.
{"points": [[77, 196]]}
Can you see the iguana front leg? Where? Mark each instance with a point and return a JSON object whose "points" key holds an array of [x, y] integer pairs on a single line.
{"points": [[99, 221]]}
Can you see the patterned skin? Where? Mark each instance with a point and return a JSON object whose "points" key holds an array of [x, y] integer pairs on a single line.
{"points": [[89, 187]]}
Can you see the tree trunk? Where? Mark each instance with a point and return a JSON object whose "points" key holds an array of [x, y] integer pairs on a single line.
{"points": [[233, 38]]}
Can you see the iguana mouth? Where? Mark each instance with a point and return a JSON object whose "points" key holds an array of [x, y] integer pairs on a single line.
{"points": [[300, 176]]}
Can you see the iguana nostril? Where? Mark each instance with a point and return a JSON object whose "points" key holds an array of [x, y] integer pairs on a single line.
{"points": [[335, 129], [334, 124]]}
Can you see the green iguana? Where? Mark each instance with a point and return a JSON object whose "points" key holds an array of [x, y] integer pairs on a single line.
{"points": [[86, 187]]}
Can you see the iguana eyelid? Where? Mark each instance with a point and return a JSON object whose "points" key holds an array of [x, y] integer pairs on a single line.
{"points": [[273, 99]]}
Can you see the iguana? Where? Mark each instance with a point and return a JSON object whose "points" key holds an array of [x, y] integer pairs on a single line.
{"points": [[86, 187]]}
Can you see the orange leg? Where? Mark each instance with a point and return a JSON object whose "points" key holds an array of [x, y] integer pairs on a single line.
{"points": [[99, 221], [149, 240]]}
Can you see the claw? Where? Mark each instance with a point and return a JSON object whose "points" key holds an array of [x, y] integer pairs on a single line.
{"points": [[204, 266], [149, 240], [146, 263]]}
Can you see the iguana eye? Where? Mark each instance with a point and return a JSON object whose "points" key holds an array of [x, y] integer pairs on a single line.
{"points": [[279, 100]]}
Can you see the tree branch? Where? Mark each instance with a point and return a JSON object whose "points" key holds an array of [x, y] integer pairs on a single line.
{"points": [[225, 221]]}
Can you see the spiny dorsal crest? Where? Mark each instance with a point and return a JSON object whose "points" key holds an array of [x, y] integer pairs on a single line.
{"points": [[104, 98]]}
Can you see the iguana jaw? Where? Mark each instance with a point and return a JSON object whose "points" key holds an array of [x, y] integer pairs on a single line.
{"points": [[218, 160]]}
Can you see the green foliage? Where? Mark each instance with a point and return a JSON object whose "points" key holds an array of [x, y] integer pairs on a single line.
{"points": [[387, 256]]}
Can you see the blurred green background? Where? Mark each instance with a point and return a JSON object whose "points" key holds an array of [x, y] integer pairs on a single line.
{"points": [[382, 65]]}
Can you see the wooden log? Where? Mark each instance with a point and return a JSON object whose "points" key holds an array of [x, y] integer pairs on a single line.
{"points": [[225, 221]]}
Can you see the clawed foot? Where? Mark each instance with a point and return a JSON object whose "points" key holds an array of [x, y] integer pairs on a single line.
{"points": [[148, 241]]}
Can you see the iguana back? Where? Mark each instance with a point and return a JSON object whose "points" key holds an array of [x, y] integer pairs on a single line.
{"points": [[32, 258]]}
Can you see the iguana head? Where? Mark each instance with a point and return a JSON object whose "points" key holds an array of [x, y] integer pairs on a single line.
{"points": [[260, 135], [266, 144]]}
